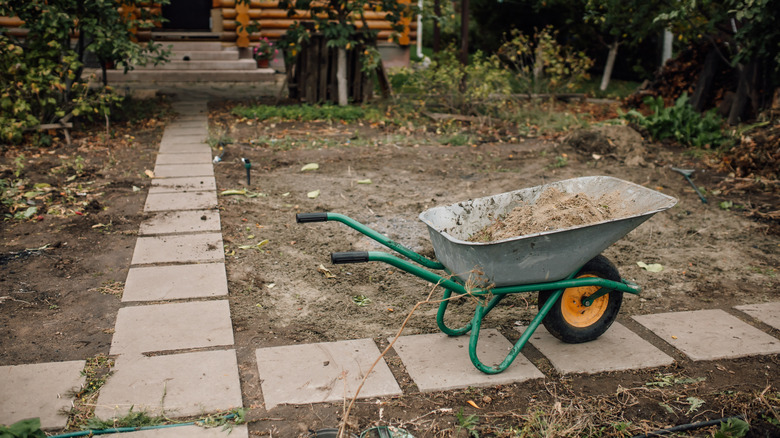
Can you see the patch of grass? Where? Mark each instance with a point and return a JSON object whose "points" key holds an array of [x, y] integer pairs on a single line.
{"points": [[542, 118], [455, 140], [307, 112], [560, 161], [96, 370], [132, 419]]}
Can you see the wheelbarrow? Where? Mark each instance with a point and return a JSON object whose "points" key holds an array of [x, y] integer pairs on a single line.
{"points": [[579, 290]]}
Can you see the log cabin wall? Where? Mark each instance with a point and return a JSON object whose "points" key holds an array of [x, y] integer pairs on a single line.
{"points": [[274, 21]]}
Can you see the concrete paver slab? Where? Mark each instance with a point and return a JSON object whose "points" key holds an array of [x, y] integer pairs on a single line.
{"points": [[183, 148], [709, 334], [438, 362], [195, 127], [194, 158], [183, 170], [180, 201], [183, 184], [179, 249], [239, 431], [173, 326], [39, 390], [324, 372], [159, 283], [178, 385], [768, 313], [616, 350], [191, 221], [198, 121], [170, 139]]}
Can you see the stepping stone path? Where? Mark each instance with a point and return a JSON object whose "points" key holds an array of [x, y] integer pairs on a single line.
{"points": [[173, 339]]}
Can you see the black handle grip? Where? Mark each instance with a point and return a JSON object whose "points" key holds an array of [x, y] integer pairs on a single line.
{"points": [[303, 218], [339, 258]]}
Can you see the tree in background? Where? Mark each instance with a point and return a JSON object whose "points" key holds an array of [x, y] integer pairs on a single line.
{"points": [[627, 22], [41, 73], [742, 33]]}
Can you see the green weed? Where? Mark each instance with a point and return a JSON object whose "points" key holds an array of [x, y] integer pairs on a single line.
{"points": [[733, 428], [680, 122], [468, 423]]}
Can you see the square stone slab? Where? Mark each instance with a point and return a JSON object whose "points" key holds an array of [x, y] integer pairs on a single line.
{"points": [[183, 184], [193, 158], [437, 362], [189, 137], [616, 350], [178, 385], [170, 222], [239, 431], [183, 170], [183, 148], [325, 372], [768, 313], [160, 283], [39, 390], [180, 201], [174, 326], [709, 334], [190, 248], [193, 127]]}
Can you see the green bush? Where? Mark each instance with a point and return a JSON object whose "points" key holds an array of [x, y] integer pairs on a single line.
{"points": [[542, 65], [680, 122], [481, 87]]}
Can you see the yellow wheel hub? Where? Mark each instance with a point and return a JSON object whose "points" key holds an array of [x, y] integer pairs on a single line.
{"points": [[575, 313]]}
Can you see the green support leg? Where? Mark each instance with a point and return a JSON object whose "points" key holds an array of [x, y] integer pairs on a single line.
{"points": [[476, 322]]}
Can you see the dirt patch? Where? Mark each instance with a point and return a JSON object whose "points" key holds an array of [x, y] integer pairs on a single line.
{"points": [[553, 210], [63, 269]]}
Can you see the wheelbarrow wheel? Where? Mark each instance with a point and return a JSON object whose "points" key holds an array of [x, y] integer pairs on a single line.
{"points": [[572, 322]]}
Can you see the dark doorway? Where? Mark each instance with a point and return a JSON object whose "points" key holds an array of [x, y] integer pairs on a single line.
{"points": [[187, 14]]}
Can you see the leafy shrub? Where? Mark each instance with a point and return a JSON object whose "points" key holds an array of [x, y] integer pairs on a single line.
{"points": [[478, 88], [680, 122], [542, 65], [41, 74]]}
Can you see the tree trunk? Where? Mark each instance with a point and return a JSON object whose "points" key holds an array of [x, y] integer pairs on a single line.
{"points": [[464, 32], [667, 52], [613, 49], [744, 92], [701, 94], [436, 26], [341, 76]]}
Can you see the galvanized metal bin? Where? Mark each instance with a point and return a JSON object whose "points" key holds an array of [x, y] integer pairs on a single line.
{"points": [[540, 257]]}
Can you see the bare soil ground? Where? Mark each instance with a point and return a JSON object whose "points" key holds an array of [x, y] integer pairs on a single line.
{"points": [[60, 302]]}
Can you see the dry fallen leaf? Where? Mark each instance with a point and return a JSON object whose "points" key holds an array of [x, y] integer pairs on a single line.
{"points": [[149, 173], [325, 271]]}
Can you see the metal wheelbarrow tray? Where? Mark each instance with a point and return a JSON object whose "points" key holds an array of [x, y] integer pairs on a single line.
{"points": [[580, 291]]}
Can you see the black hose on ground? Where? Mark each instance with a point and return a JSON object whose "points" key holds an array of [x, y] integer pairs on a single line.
{"points": [[689, 426]]}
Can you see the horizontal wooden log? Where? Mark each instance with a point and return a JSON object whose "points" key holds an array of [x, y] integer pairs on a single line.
{"points": [[11, 22], [286, 23], [54, 126], [257, 14]]}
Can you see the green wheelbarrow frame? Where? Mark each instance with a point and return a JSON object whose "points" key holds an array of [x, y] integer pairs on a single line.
{"points": [[452, 284]]}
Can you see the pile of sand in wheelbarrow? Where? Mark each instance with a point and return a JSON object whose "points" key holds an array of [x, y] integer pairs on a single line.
{"points": [[553, 210]]}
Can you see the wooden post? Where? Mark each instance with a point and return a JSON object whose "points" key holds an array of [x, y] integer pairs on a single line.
{"points": [[242, 11], [406, 21]]}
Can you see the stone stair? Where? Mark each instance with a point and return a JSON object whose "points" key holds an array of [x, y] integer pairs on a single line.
{"points": [[196, 62]]}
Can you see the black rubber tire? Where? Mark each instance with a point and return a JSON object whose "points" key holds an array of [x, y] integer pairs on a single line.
{"points": [[556, 324]]}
